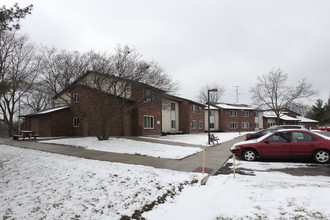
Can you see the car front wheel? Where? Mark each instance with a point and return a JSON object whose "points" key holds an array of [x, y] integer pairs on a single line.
{"points": [[250, 155], [321, 156]]}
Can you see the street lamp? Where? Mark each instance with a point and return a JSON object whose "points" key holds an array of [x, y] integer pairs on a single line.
{"points": [[208, 112]]}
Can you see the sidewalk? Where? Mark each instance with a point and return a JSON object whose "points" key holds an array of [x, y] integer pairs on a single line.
{"points": [[215, 156]]}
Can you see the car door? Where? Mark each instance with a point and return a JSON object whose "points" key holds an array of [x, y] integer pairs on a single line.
{"points": [[302, 144], [277, 145]]}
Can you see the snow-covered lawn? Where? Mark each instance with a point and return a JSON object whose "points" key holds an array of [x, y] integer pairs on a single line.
{"points": [[198, 139], [126, 146], [267, 195], [39, 185]]}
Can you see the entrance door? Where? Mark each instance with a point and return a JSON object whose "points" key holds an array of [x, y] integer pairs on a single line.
{"points": [[35, 125], [127, 124]]}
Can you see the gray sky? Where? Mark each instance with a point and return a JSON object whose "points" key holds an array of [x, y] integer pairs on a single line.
{"points": [[197, 42]]}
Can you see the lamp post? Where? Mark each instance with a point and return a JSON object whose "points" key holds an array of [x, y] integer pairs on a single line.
{"points": [[208, 112]]}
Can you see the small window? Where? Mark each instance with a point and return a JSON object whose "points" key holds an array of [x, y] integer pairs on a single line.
{"points": [[212, 125], [302, 137], [173, 106], [200, 109], [233, 125], [194, 108], [76, 97], [148, 122], [148, 96], [256, 114], [194, 124], [212, 112], [256, 125], [245, 125], [245, 113], [200, 125], [233, 113], [76, 122], [173, 124]]}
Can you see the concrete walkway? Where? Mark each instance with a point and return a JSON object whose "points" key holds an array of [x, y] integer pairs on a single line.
{"points": [[215, 156]]}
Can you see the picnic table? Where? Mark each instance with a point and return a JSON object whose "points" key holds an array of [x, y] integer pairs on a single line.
{"points": [[23, 134]]}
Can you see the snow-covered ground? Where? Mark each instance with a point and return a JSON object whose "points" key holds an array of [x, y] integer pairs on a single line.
{"points": [[39, 185], [126, 146], [198, 138], [267, 195]]}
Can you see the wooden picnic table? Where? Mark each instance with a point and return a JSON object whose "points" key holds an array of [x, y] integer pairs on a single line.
{"points": [[23, 134]]}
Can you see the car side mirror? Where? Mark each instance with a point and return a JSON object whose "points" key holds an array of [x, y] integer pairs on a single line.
{"points": [[267, 142]]}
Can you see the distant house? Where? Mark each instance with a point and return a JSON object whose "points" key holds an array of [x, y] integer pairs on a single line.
{"points": [[288, 117], [231, 117]]}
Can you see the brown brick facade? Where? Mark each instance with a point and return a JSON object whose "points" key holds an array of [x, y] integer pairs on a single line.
{"points": [[228, 119]]}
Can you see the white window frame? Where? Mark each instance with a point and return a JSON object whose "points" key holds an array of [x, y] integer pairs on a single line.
{"points": [[245, 112], [194, 124], [148, 125], [212, 112], [193, 108], [173, 124], [173, 106], [244, 125], [200, 124], [76, 122], [76, 97], [211, 125], [233, 125], [148, 96], [200, 110], [233, 113]]}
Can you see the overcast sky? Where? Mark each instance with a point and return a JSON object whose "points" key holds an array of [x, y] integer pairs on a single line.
{"points": [[197, 42]]}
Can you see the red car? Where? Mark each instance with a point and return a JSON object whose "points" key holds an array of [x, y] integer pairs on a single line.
{"points": [[291, 143], [323, 129]]}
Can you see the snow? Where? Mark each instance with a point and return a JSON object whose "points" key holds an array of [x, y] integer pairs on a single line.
{"points": [[197, 139], [228, 106], [40, 185], [126, 146], [267, 195]]}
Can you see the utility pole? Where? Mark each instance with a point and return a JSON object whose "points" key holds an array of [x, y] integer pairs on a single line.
{"points": [[237, 93]]}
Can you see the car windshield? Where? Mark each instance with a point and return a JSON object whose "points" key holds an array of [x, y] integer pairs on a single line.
{"points": [[321, 135]]}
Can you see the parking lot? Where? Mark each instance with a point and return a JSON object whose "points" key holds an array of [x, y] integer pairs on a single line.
{"points": [[298, 168]]}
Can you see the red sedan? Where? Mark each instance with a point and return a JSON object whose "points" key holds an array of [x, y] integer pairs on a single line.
{"points": [[286, 144]]}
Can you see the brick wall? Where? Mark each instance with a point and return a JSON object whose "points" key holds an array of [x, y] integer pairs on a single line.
{"points": [[226, 119]]}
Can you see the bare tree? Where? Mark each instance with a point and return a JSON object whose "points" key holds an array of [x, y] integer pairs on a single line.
{"points": [[215, 97], [117, 85], [271, 92], [18, 68]]}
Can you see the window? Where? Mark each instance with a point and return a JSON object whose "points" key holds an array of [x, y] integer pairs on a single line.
{"points": [[194, 108], [270, 124], [256, 114], [211, 125], [280, 137], [76, 97], [302, 137], [76, 122], [245, 125], [212, 112], [194, 124], [148, 96], [256, 125], [245, 113], [173, 124], [233, 113], [200, 109], [200, 125], [173, 106], [148, 122], [233, 125]]}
